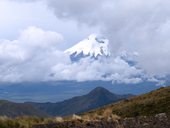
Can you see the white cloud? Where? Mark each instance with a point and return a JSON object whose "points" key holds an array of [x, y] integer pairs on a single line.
{"points": [[113, 69], [133, 25], [16, 16], [30, 56], [30, 41], [34, 56], [38, 38]]}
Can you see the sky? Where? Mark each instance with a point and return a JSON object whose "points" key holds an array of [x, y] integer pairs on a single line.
{"points": [[34, 34], [17, 15]]}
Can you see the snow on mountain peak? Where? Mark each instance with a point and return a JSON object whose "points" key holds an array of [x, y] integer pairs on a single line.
{"points": [[95, 45]]}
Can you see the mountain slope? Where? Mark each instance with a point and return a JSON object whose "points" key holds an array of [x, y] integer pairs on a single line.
{"points": [[12, 109], [152, 103], [96, 98], [93, 46]]}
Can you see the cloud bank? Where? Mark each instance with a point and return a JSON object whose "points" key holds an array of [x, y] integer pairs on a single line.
{"points": [[34, 56], [135, 25], [131, 25], [28, 57]]}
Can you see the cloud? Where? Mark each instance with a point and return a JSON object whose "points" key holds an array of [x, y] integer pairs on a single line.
{"points": [[112, 69], [30, 41], [29, 57], [131, 25], [16, 15], [24, 0], [135, 25], [34, 56], [36, 37]]}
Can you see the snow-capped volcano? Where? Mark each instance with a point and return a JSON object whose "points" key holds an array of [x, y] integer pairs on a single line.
{"points": [[94, 46]]}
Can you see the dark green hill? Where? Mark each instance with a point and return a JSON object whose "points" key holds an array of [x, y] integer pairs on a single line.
{"points": [[95, 99], [152, 103], [12, 109]]}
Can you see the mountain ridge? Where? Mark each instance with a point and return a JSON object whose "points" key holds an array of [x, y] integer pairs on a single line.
{"points": [[12, 109], [148, 104], [94, 99]]}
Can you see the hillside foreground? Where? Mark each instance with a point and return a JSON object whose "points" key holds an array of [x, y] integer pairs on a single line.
{"points": [[150, 110]]}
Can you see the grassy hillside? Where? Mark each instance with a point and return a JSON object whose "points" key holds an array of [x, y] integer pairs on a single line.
{"points": [[154, 105], [12, 109], [145, 105], [98, 97]]}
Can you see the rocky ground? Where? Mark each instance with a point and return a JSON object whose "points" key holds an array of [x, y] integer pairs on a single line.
{"points": [[157, 121]]}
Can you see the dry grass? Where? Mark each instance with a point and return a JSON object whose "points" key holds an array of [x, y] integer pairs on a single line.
{"points": [[149, 104], [26, 122], [145, 105]]}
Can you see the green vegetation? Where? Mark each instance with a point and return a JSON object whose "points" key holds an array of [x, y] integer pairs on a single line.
{"points": [[12, 109], [24, 122], [96, 98], [149, 104], [145, 105]]}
